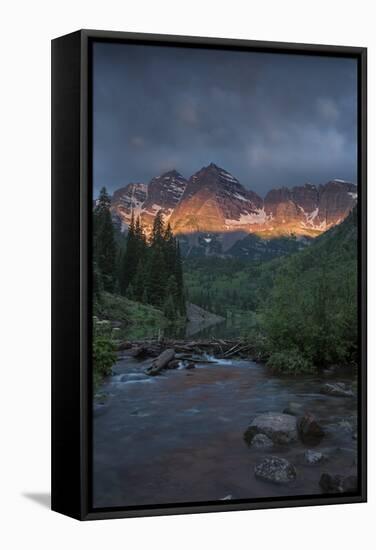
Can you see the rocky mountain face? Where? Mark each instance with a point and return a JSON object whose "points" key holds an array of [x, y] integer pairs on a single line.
{"points": [[214, 201], [164, 193], [213, 204], [126, 200], [307, 209]]}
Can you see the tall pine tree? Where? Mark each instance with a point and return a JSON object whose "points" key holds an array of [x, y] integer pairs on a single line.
{"points": [[134, 257], [104, 242]]}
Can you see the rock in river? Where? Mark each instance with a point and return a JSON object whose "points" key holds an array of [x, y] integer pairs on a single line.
{"points": [[338, 389], [174, 364], [313, 457], [310, 430], [336, 483], [296, 409], [261, 441], [280, 428], [276, 470]]}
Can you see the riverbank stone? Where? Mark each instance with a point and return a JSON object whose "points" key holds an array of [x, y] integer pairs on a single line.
{"points": [[279, 427], [275, 470]]}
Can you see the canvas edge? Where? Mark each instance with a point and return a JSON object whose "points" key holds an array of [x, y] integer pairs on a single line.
{"points": [[86, 510]]}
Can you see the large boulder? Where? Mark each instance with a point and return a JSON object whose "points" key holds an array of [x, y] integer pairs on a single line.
{"points": [[276, 470], [336, 483], [310, 431], [280, 428], [338, 389]]}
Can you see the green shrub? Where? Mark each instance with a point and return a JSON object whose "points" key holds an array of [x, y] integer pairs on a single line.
{"points": [[104, 355], [290, 362]]}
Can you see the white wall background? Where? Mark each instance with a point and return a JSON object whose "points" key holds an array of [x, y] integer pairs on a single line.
{"points": [[27, 27]]}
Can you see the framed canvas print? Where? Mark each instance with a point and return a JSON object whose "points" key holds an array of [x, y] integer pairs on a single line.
{"points": [[209, 274]]}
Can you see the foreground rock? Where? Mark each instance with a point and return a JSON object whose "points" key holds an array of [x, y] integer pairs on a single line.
{"points": [[276, 470], [338, 389], [295, 409], [261, 441], [336, 483], [314, 457], [280, 428], [161, 362], [310, 430]]}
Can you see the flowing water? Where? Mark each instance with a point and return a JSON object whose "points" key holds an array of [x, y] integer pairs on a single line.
{"points": [[178, 437]]}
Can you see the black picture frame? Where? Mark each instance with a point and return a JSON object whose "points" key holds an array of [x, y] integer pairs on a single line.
{"points": [[71, 277]]}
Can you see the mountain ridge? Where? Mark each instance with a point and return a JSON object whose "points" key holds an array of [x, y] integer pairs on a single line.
{"points": [[213, 201]]}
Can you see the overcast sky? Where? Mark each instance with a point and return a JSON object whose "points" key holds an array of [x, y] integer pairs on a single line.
{"points": [[271, 120]]}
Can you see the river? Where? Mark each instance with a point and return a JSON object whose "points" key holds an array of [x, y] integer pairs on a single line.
{"points": [[178, 437]]}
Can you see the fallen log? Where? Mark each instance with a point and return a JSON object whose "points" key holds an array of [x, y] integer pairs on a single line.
{"points": [[235, 351], [231, 349], [161, 362]]}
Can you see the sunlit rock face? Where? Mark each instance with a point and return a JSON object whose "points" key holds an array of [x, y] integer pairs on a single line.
{"points": [[308, 209], [213, 201]]}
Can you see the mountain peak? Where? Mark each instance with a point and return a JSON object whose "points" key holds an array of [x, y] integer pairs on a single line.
{"points": [[214, 174], [214, 167], [170, 174]]}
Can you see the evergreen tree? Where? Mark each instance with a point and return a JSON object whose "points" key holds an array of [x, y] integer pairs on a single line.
{"points": [[169, 309], [104, 242], [130, 293], [157, 274], [178, 272], [128, 265], [139, 281], [158, 232]]}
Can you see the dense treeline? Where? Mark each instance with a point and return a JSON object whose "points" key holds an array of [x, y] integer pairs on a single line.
{"points": [[146, 270], [309, 318], [300, 311], [150, 270]]}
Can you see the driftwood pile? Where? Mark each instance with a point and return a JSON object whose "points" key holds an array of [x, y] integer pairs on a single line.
{"points": [[171, 354]]}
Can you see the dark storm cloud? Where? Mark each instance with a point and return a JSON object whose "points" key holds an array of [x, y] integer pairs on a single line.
{"points": [[269, 119]]}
